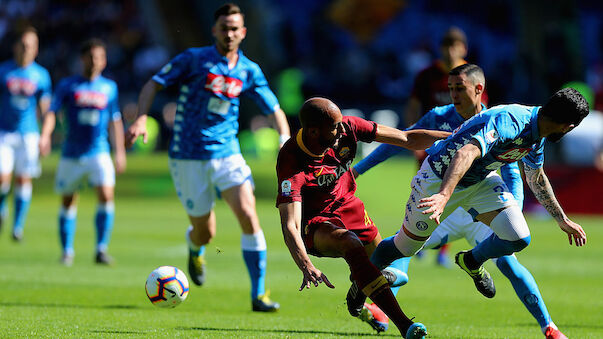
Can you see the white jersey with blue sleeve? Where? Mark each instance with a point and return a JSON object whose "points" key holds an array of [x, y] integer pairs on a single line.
{"points": [[206, 123], [20, 90], [89, 106], [506, 134]]}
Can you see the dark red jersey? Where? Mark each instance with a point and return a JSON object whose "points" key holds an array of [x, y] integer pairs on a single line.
{"points": [[324, 184]]}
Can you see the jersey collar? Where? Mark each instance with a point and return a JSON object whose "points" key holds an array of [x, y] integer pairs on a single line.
{"points": [[303, 147], [534, 122]]}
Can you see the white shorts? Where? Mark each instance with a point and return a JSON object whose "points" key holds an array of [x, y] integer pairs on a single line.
{"points": [[196, 181], [488, 195], [459, 225], [72, 172], [19, 152]]}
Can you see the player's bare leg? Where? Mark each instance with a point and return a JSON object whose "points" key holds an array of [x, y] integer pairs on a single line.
{"points": [[67, 225], [199, 234], [333, 241], [253, 244], [103, 220]]}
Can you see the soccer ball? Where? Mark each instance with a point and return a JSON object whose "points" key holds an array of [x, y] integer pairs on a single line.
{"points": [[166, 287]]}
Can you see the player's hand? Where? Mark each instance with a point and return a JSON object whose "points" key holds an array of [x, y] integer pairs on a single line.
{"points": [[314, 276], [355, 173], [574, 231], [435, 205], [138, 128], [45, 145]]}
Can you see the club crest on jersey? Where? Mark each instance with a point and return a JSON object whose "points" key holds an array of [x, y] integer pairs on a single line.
{"points": [[514, 154], [491, 136], [344, 151], [286, 188], [227, 86], [20, 86], [90, 99]]}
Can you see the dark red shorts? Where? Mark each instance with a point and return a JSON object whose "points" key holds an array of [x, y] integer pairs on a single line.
{"points": [[351, 216]]}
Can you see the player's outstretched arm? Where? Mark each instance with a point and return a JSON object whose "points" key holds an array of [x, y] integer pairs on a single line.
{"points": [[145, 100], [279, 121], [116, 131], [459, 165], [291, 227], [414, 140], [48, 124], [543, 191]]}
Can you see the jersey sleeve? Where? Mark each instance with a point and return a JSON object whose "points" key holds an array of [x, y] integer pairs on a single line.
{"points": [[426, 122], [291, 179], [380, 154], [174, 71], [58, 97], [261, 94], [496, 130], [512, 178], [114, 111], [45, 91], [364, 130], [535, 159]]}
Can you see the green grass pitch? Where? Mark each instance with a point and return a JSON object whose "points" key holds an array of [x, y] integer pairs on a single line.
{"points": [[41, 298]]}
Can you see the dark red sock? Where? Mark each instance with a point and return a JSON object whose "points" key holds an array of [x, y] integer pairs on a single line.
{"points": [[373, 284]]}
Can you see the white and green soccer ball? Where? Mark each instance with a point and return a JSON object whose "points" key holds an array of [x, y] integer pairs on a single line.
{"points": [[167, 286]]}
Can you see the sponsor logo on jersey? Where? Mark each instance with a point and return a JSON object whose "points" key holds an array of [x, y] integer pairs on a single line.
{"points": [[21, 86], [325, 176], [286, 188], [514, 154], [227, 86], [91, 99]]}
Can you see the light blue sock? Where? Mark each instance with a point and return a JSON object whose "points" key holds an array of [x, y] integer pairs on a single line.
{"points": [[22, 201], [400, 268], [494, 247], [67, 218], [105, 215], [254, 254], [525, 287], [4, 189], [194, 250], [386, 253]]}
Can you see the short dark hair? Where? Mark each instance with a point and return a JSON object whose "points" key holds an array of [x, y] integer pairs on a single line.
{"points": [[472, 71], [453, 35], [17, 34], [91, 43], [566, 106], [227, 9]]}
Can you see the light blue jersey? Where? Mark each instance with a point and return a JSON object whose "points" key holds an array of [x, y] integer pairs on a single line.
{"points": [[442, 118], [89, 106], [20, 90], [207, 114], [506, 133]]}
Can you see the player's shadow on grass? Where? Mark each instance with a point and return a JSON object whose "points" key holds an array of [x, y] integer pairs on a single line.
{"points": [[288, 331], [29, 304]]}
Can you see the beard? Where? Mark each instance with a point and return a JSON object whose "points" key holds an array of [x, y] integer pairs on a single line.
{"points": [[555, 137]]}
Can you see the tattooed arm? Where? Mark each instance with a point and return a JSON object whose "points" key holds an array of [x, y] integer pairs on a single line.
{"points": [[543, 191]]}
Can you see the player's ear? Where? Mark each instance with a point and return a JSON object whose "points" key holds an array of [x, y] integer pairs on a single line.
{"points": [[479, 88]]}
